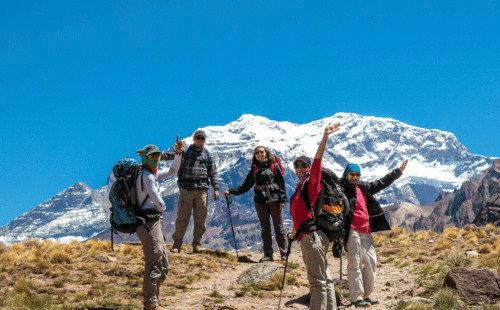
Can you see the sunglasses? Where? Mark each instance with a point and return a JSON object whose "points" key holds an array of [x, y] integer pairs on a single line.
{"points": [[202, 138], [303, 166], [153, 156], [355, 174]]}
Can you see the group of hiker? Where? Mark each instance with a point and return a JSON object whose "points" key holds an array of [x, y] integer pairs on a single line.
{"points": [[196, 171]]}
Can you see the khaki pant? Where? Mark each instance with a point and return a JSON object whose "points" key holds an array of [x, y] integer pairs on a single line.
{"points": [[314, 249], [195, 201], [156, 261], [264, 210], [361, 263]]}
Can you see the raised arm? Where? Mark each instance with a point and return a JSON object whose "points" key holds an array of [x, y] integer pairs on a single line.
{"points": [[328, 131]]}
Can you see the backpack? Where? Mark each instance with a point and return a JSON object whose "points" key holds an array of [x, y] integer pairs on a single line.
{"points": [[273, 169], [123, 197], [330, 210]]}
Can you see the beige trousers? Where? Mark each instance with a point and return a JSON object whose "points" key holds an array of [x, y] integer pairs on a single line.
{"points": [[361, 264], [195, 202], [156, 261], [314, 249]]}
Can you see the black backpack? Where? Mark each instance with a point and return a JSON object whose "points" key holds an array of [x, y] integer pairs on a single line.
{"points": [[329, 211], [123, 197]]}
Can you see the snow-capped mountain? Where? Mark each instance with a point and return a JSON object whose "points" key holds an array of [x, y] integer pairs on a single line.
{"points": [[75, 213], [438, 163]]}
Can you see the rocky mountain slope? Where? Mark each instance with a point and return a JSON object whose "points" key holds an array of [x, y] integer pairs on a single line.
{"points": [[463, 205], [438, 163]]}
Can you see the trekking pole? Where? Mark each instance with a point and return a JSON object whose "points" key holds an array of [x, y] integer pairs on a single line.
{"points": [[229, 201], [286, 264], [340, 287]]}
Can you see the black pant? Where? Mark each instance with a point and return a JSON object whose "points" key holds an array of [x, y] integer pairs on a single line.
{"points": [[264, 210]]}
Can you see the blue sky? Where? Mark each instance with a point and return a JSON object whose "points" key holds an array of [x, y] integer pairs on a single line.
{"points": [[84, 84]]}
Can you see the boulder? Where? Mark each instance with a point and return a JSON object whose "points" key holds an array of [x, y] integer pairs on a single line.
{"points": [[259, 273], [474, 286]]}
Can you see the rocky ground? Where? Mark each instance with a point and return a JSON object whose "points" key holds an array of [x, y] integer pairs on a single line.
{"points": [[411, 265], [392, 284]]}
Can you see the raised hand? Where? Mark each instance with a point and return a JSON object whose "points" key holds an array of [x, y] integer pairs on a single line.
{"points": [[179, 145], [225, 194], [331, 128], [403, 166]]}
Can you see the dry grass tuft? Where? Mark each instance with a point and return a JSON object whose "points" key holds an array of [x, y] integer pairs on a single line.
{"points": [[396, 231], [441, 243], [424, 234], [451, 232], [379, 239]]}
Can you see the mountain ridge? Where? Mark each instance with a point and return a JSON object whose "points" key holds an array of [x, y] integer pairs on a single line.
{"points": [[438, 163]]}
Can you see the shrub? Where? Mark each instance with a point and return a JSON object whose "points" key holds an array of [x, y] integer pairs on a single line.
{"points": [[451, 232], [424, 234], [396, 231], [486, 248], [215, 294], [2, 248], [445, 298], [490, 261], [442, 243], [457, 260]]}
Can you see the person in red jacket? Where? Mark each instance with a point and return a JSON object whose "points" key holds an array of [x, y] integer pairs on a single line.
{"points": [[314, 244]]}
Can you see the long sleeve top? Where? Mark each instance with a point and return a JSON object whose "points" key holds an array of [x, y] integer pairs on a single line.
{"points": [[298, 207], [150, 185], [197, 168], [270, 186]]}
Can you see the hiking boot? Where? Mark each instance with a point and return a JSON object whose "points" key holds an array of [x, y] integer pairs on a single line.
{"points": [[360, 304], [267, 258], [197, 249], [175, 249], [283, 257], [371, 301]]}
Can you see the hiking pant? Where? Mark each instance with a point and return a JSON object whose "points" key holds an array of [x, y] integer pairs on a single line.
{"points": [[314, 249], [361, 263], [194, 201], [264, 210], [156, 261]]}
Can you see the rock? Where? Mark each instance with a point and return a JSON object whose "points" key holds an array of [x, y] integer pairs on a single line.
{"points": [[471, 227], [470, 254], [259, 273], [475, 286], [389, 283]]}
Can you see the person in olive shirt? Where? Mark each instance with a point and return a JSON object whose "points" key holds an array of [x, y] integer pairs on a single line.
{"points": [[196, 173]]}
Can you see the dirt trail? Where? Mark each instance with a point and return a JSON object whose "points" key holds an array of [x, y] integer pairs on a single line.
{"points": [[392, 284]]}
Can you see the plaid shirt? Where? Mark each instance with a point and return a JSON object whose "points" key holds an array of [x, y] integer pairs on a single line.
{"points": [[197, 168]]}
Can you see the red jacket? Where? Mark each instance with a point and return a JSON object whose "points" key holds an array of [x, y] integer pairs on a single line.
{"points": [[298, 207]]}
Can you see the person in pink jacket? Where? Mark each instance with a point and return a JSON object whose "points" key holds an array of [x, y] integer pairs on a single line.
{"points": [[314, 244]]}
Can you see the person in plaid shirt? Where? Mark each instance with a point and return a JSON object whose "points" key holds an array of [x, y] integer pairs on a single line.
{"points": [[196, 173]]}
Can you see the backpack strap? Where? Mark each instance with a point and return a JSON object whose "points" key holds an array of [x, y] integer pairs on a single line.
{"points": [[142, 186]]}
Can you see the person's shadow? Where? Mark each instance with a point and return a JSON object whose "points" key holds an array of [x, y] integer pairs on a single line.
{"points": [[302, 300]]}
